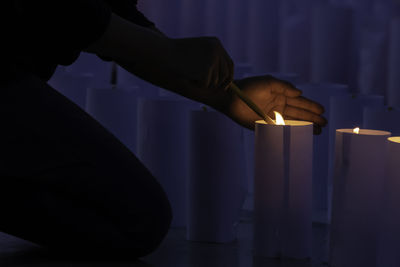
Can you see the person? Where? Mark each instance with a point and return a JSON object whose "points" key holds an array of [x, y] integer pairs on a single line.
{"points": [[67, 183]]}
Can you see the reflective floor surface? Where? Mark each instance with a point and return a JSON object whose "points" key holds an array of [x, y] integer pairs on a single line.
{"points": [[175, 251]]}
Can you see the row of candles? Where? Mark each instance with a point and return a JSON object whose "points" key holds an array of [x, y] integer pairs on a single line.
{"points": [[283, 182], [365, 227], [282, 187]]}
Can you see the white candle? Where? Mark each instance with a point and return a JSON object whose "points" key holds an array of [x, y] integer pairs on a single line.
{"points": [[115, 109], [321, 93], [346, 112], [358, 180], [216, 172], [331, 57], [393, 93], [238, 22], [373, 61], [295, 43], [263, 34], [162, 147], [282, 189], [389, 245], [193, 18]]}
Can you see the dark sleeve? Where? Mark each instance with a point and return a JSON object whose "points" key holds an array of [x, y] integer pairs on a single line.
{"points": [[127, 9]]}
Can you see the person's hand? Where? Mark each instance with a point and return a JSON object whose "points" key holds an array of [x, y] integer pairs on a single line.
{"points": [[272, 94]]}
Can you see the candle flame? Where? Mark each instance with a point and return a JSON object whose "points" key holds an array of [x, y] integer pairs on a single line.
{"points": [[279, 119], [356, 130]]}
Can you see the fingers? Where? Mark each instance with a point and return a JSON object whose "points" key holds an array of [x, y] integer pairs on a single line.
{"points": [[301, 114], [306, 104], [285, 88]]}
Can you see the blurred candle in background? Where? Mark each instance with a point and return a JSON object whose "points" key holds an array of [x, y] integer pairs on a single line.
{"points": [[321, 93], [283, 189], [357, 192], [162, 147], [216, 188], [393, 92], [331, 44]]}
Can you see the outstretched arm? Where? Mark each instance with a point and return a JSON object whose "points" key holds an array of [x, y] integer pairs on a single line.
{"points": [[198, 68]]}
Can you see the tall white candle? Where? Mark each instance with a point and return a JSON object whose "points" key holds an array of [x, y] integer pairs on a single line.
{"points": [[393, 92], [331, 42], [162, 147], [216, 172], [295, 43], [263, 34], [282, 196], [238, 22], [358, 181], [321, 93], [346, 112], [389, 245]]}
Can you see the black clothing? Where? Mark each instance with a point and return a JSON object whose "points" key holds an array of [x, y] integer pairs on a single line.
{"points": [[46, 33], [66, 182]]}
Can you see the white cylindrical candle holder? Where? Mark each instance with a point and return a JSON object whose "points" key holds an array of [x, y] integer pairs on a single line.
{"points": [[382, 118], [283, 190], [346, 112], [216, 172], [263, 34], [393, 92], [295, 40], [372, 73], [162, 147], [193, 18], [238, 22], [389, 240], [321, 93], [331, 39], [357, 191], [115, 109]]}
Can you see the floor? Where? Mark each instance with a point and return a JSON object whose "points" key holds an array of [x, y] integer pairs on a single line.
{"points": [[174, 252]]}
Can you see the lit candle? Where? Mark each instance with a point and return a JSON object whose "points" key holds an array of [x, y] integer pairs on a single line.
{"points": [[357, 187], [346, 111], [283, 189], [389, 245]]}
